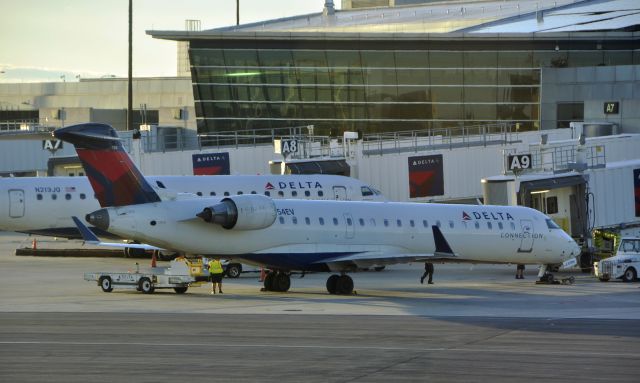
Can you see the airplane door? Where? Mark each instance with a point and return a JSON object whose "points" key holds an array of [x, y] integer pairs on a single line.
{"points": [[339, 193], [16, 203], [350, 225], [526, 244]]}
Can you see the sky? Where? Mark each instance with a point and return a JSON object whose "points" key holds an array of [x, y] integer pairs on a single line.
{"points": [[43, 40]]}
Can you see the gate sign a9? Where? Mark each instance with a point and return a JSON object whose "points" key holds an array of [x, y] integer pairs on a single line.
{"points": [[518, 162]]}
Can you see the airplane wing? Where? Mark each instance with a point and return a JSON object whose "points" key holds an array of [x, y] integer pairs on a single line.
{"points": [[367, 259], [89, 237]]}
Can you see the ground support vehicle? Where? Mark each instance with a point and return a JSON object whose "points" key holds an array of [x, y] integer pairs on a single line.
{"points": [[624, 265], [180, 275]]}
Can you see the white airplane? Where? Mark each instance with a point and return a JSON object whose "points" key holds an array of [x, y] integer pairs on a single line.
{"points": [[44, 205], [304, 235]]}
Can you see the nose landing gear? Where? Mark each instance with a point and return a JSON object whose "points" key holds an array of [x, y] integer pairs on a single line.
{"points": [[546, 278]]}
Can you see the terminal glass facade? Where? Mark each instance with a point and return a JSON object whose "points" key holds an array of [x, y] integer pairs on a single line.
{"points": [[386, 88]]}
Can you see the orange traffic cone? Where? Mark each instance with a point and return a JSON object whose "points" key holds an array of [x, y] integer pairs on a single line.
{"points": [[34, 244], [153, 259]]}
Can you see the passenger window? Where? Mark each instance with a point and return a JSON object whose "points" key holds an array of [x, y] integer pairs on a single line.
{"points": [[253, 192], [281, 219], [500, 225], [411, 223], [425, 223], [199, 194], [67, 196], [451, 224], [321, 220], [54, 197], [294, 193], [399, 223], [349, 222], [83, 196], [489, 226], [39, 197], [240, 193], [267, 193], [477, 224], [307, 193], [295, 220], [386, 222], [320, 193], [513, 225], [307, 220], [335, 221], [361, 222], [212, 193], [226, 194], [280, 193]]}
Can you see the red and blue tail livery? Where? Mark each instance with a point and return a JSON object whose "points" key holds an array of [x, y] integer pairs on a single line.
{"points": [[113, 176]]}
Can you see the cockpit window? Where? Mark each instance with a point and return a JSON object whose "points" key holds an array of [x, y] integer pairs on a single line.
{"points": [[366, 191], [552, 225]]}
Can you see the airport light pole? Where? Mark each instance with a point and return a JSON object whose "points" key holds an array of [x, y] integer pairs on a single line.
{"points": [[129, 79]]}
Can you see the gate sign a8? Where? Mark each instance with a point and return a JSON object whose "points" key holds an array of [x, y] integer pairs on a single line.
{"points": [[517, 162], [288, 146]]}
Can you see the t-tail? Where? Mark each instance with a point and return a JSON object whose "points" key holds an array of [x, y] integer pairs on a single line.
{"points": [[115, 179]]}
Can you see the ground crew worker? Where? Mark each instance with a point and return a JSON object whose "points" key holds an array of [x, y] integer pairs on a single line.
{"points": [[215, 275], [428, 271], [520, 271]]}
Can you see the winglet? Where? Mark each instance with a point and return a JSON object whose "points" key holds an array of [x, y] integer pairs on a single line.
{"points": [[87, 234], [442, 246]]}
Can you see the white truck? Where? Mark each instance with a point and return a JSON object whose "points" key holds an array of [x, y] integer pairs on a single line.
{"points": [[180, 275], [624, 265]]}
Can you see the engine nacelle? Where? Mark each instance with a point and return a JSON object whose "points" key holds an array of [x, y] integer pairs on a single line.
{"points": [[241, 212]]}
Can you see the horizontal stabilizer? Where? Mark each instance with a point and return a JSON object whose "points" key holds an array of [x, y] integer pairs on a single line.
{"points": [[89, 237]]}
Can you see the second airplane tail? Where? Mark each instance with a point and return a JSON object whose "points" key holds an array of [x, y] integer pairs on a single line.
{"points": [[114, 177]]}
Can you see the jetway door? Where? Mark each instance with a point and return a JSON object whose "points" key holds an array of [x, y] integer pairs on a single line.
{"points": [[16, 203], [340, 193], [526, 245]]}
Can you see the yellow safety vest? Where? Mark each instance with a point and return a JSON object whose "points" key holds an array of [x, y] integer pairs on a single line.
{"points": [[215, 267]]}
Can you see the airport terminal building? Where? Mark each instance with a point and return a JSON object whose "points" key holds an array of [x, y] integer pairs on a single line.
{"points": [[534, 64]]}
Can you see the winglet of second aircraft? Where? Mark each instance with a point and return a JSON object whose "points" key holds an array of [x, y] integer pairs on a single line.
{"points": [[443, 250]]}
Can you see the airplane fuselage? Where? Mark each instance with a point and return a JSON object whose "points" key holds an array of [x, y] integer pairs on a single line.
{"points": [[306, 233], [44, 205]]}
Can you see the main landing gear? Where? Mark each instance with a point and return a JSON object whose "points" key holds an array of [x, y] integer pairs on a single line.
{"points": [[546, 278], [340, 284], [277, 281]]}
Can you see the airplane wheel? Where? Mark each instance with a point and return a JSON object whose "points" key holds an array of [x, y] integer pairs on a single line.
{"points": [[332, 283], [281, 282], [106, 284], [146, 286], [269, 281], [344, 285]]}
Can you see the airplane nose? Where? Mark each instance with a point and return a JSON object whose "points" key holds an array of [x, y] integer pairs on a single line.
{"points": [[99, 219]]}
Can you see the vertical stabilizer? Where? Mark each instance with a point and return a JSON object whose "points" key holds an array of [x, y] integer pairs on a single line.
{"points": [[114, 178]]}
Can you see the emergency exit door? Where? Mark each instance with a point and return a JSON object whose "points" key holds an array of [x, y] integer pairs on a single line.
{"points": [[526, 244], [339, 193], [16, 203]]}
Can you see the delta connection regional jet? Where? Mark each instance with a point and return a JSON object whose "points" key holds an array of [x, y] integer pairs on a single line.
{"points": [[304, 235]]}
